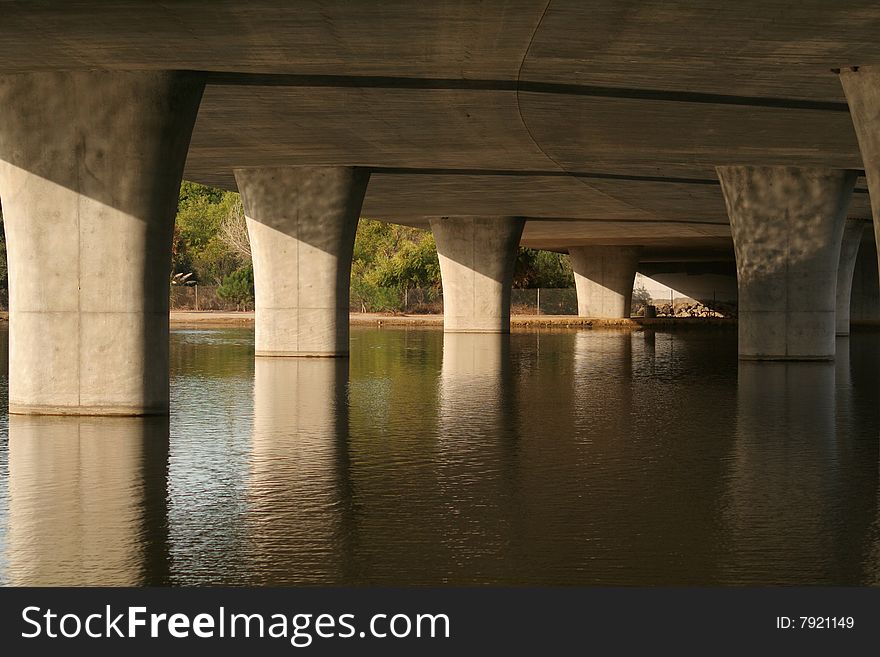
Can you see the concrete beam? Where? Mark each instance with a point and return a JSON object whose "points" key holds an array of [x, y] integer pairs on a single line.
{"points": [[603, 276], [302, 223], [787, 225], [90, 169], [849, 250], [477, 259]]}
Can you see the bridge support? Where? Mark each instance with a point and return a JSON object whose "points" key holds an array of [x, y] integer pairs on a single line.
{"points": [[849, 250], [90, 169], [865, 297], [604, 277], [861, 85], [787, 225], [302, 223], [477, 260]]}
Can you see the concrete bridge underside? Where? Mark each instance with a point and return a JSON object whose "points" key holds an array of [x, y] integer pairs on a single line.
{"points": [[587, 125]]}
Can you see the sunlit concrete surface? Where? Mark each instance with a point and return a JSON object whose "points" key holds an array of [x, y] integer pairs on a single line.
{"points": [[477, 258], [550, 110], [90, 167], [302, 223], [597, 123]]}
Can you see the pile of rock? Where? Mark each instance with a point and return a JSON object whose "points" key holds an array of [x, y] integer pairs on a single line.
{"points": [[695, 309]]}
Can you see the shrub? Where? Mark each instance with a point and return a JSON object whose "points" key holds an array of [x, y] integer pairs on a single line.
{"points": [[238, 288]]}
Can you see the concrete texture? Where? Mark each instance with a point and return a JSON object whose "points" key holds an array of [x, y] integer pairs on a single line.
{"points": [[302, 223], [862, 88], [90, 168], [604, 279], [477, 258], [612, 114], [787, 226], [849, 250]]}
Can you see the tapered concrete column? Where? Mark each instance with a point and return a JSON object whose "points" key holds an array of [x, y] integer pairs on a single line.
{"points": [[603, 276], [302, 223], [477, 259], [849, 249], [90, 169], [787, 224], [864, 303], [861, 85]]}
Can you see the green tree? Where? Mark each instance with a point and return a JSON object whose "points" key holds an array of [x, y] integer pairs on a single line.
{"points": [[238, 287], [389, 259], [537, 268], [198, 244]]}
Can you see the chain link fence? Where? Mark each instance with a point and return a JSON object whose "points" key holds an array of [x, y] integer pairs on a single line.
{"points": [[412, 301], [201, 297], [415, 301]]}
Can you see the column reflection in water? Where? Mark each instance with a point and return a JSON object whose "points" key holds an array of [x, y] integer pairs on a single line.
{"points": [[476, 451], [298, 496], [87, 501], [785, 476]]}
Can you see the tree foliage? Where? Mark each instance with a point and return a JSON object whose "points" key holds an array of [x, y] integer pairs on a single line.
{"points": [[199, 246], [535, 268], [238, 287], [391, 255], [211, 247]]}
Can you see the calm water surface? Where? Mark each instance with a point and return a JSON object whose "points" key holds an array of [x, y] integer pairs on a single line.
{"points": [[555, 457]]}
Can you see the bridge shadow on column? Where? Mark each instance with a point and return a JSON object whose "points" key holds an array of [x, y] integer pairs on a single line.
{"points": [[299, 490], [798, 463], [87, 501]]}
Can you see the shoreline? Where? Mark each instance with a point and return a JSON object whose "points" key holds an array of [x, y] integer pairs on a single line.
{"points": [[208, 318], [222, 318]]}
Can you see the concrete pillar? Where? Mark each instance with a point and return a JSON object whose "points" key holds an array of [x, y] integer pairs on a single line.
{"points": [[87, 501], [849, 249], [603, 276], [90, 169], [787, 224], [861, 85], [302, 223], [477, 260], [865, 297]]}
